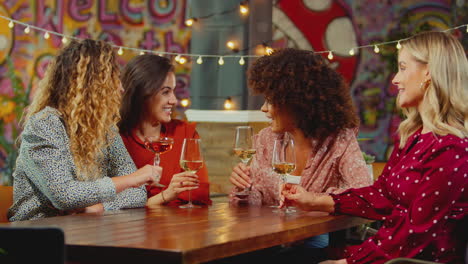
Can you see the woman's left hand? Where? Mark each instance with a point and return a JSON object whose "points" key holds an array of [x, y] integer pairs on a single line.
{"points": [[181, 182], [340, 261], [97, 208]]}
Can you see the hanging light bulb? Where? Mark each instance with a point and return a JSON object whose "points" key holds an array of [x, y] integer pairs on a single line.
{"points": [[228, 104], [376, 49], [199, 60], [120, 52], [11, 24], [268, 50], [230, 44], [221, 61], [182, 60], [398, 46], [177, 58], [351, 52], [142, 53], [64, 40], [189, 22], [242, 61], [46, 35], [185, 102], [243, 8], [27, 30], [330, 55]]}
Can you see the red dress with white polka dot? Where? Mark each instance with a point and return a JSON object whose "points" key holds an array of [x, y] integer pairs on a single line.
{"points": [[422, 199]]}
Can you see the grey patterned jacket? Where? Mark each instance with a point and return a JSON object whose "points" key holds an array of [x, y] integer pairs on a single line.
{"points": [[44, 181]]}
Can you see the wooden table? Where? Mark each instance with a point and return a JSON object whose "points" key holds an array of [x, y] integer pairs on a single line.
{"points": [[172, 235]]}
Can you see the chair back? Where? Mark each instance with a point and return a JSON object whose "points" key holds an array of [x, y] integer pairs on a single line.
{"points": [[6, 200], [32, 245]]}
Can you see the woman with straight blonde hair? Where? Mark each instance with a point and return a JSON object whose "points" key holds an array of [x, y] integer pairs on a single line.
{"points": [[422, 194], [70, 147]]}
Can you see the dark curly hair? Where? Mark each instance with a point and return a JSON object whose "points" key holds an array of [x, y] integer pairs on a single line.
{"points": [[303, 84]]}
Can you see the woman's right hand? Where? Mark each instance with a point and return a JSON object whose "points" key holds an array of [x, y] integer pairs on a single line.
{"points": [[181, 182], [240, 176]]}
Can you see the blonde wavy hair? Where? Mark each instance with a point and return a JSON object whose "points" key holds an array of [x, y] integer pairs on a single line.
{"points": [[444, 109], [82, 83]]}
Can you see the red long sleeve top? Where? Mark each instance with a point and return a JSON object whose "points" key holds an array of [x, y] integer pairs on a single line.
{"points": [[178, 130]]}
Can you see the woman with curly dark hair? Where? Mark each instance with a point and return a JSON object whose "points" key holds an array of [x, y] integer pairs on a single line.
{"points": [[310, 101]]}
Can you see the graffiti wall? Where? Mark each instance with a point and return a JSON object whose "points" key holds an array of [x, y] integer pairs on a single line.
{"points": [[147, 24], [343, 24]]}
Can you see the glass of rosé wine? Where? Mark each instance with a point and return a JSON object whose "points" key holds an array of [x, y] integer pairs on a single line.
{"points": [[158, 145]]}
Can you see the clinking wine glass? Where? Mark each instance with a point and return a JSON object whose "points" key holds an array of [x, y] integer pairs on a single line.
{"points": [[244, 149], [158, 145], [191, 159], [284, 162]]}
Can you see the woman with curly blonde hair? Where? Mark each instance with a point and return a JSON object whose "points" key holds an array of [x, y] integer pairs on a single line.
{"points": [[70, 147], [422, 194]]}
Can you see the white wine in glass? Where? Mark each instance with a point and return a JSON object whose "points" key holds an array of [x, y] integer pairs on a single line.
{"points": [[284, 160], [244, 149], [191, 159]]}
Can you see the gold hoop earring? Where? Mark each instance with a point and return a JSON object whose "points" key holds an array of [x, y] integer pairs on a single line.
{"points": [[425, 84]]}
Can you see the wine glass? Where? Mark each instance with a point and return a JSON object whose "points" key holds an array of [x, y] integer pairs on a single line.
{"points": [[244, 149], [158, 145], [284, 162], [191, 159]]}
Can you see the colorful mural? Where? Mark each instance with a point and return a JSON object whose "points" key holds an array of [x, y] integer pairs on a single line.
{"points": [[342, 24], [147, 24]]}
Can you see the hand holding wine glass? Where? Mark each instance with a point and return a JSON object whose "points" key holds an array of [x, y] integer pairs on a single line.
{"points": [[244, 149], [191, 160], [158, 145], [284, 162]]}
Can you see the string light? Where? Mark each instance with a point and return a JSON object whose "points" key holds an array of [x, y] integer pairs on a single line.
{"points": [[142, 53], [120, 52], [231, 44], [398, 46], [228, 104], [243, 8], [185, 102], [265, 49], [199, 60], [376, 49], [182, 60], [177, 58], [189, 22]]}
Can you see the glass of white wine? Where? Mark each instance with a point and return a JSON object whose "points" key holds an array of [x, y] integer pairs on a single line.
{"points": [[244, 149], [191, 159], [284, 161]]}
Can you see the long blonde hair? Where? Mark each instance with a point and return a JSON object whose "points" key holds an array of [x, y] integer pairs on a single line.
{"points": [[444, 109], [82, 83]]}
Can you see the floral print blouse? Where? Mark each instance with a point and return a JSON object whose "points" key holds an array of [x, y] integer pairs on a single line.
{"points": [[422, 198], [334, 165], [44, 181]]}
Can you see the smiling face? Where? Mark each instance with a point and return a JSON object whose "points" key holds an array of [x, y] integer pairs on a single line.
{"points": [[281, 121], [160, 105], [411, 80]]}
